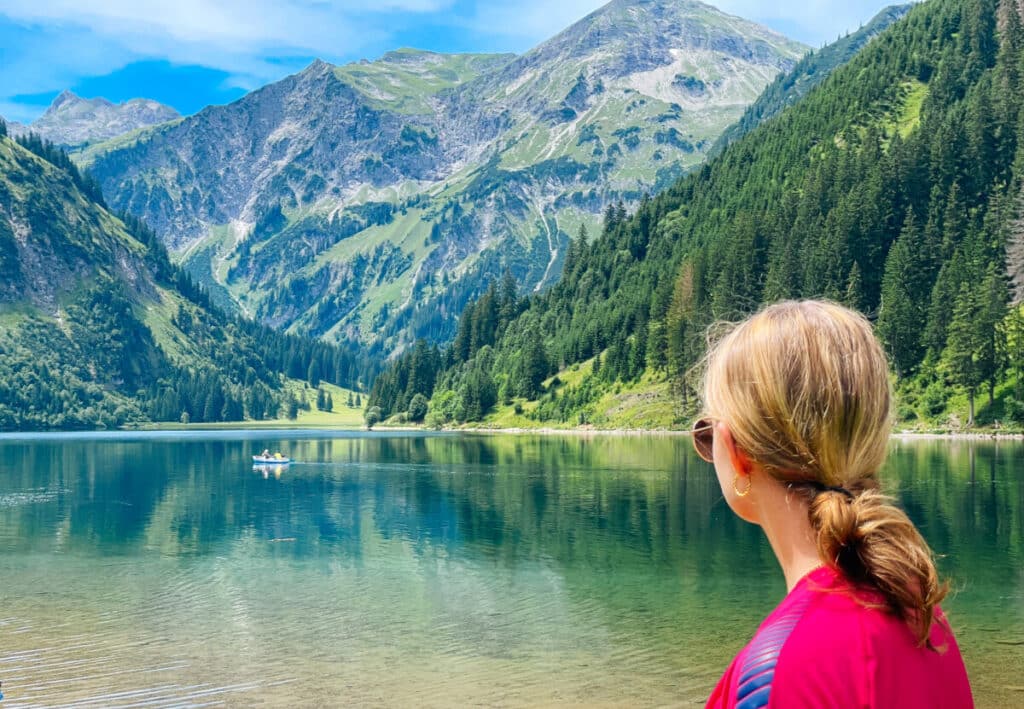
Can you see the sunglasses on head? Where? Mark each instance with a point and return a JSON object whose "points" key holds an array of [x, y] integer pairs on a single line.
{"points": [[704, 439]]}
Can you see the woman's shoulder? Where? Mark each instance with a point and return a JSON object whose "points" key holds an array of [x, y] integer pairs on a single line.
{"points": [[827, 644], [846, 648]]}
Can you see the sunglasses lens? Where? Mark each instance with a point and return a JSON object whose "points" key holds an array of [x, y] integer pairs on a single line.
{"points": [[704, 439]]}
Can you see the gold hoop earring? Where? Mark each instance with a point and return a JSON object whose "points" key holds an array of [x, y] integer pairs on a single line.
{"points": [[741, 493]]}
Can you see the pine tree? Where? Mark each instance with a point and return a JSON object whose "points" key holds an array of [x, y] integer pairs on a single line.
{"points": [[1014, 349], [905, 287], [854, 296], [961, 352], [991, 344], [535, 367]]}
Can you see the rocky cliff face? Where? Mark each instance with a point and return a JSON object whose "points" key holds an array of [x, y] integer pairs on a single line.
{"points": [[372, 200], [73, 122]]}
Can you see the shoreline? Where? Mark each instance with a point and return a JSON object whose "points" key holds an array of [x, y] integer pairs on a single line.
{"points": [[979, 435], [909, 435]]}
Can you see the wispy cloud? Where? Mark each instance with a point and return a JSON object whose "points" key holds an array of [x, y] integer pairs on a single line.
{"points": [[232, 24]]}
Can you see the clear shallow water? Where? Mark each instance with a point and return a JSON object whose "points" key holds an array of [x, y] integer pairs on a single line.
{"points": [[399, 570]]}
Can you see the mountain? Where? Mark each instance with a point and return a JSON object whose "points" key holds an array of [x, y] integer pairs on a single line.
{"points": [[896, 186], [73, 122], [99, 329], [371, 201], [810, 71]]}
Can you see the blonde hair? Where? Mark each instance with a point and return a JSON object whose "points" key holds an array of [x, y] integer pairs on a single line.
{"points": [[804, 388]]}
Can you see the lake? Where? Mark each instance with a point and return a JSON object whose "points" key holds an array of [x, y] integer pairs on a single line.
{"points": [[434, 570]]}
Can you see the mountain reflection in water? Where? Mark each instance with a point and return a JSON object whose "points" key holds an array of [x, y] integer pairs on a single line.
{"points": [[405, 569]]}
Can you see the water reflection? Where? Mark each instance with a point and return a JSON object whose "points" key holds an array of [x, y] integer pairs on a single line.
{"points": [[603, 570]]}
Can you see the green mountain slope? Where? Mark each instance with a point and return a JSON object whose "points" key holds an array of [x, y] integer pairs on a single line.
{"points": [[810, 71], [894, 186], [98, 329], [371, 201]]}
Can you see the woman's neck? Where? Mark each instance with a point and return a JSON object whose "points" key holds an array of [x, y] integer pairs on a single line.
{"points": [[784, 518]]}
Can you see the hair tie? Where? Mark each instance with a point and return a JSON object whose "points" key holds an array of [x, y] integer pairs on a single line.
{"points": [[834, 488], [841, 490]]}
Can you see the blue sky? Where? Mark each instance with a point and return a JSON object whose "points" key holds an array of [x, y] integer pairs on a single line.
{"points": [[192, 53]]}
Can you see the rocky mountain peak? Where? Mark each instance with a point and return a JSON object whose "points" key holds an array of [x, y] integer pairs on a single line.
{"points": [[368, 201], [66, 99], [636, 27], [318, 66], [73, 122]]}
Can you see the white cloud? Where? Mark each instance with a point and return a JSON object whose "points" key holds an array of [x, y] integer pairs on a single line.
{"points": [[224, 27]]}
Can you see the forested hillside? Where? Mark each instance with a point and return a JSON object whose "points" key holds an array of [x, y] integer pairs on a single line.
{"points": [[894, 187], [99, 329], [814, 68]]}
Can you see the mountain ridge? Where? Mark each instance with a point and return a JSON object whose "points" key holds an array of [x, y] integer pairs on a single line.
{"points": [[74, 122], [369, 201]]}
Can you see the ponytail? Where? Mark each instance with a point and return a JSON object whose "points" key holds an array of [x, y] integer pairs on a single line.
{"points": [[875, 545]]}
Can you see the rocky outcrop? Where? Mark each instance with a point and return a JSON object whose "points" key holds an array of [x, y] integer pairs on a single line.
{"points": [[73, 122]]}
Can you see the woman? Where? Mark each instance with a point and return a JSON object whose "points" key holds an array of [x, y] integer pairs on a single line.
{"points": [[797, 404]]}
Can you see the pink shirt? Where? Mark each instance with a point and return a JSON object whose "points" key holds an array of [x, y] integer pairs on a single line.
{"points": [[821, 648]]}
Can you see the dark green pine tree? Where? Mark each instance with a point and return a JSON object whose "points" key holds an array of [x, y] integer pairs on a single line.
{"points": [[905, 288], [991, 335], [944, 292], [854, 296], [534, 367], [961, 353]]}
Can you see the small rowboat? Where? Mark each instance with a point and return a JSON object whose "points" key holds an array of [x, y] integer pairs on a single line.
{"points": [[271, 460]]}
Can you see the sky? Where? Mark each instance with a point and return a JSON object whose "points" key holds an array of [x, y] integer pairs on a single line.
{"points": [[193, 53]]}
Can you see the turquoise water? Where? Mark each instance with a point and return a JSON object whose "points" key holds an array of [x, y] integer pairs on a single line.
{"points": [[417, 570]]}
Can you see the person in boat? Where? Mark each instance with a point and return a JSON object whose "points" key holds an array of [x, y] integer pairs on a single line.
{"points": [[796, 422], [265, 453]]}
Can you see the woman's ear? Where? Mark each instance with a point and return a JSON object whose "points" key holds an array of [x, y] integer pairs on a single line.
{"points": [[739, 462]]}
